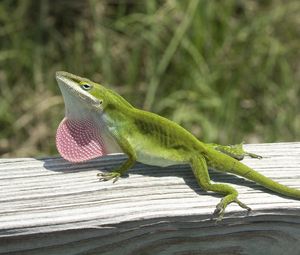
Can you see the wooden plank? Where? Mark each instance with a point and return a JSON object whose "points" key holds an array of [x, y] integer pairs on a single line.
{"points": [[49, 206]]}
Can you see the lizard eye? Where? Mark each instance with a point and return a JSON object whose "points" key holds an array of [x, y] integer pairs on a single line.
{"points": [[85, 86]]}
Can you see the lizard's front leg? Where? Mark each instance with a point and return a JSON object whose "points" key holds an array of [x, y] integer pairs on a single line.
{"points": [[117, 172]]}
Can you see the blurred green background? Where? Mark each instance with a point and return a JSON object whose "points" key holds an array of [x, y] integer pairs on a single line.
{"points": [[228, 71]]}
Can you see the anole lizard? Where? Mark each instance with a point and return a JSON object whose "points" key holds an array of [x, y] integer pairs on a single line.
{"points": [[98, 121]]}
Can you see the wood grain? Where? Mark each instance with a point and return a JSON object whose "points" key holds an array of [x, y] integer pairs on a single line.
{"points": [[48, 206]]}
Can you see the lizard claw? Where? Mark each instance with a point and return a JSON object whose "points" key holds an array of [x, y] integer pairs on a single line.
{"points": [[218, 214], [252, 155], [109, 176]]}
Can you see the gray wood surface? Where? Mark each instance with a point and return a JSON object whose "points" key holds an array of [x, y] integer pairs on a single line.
{"points": [[48, 206]]}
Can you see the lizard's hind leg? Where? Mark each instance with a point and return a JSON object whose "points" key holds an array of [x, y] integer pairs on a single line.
{"points": [[200, 170], [235, 151]]}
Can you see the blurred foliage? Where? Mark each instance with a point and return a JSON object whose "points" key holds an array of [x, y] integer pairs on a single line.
{"points": [[226, 70]]}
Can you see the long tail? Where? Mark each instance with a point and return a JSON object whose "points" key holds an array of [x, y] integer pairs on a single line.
{"points": [[224, 163], [250, 174]]}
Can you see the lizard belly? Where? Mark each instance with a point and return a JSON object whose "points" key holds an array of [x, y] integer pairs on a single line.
{"points": [[151, 153], [154, 159]]}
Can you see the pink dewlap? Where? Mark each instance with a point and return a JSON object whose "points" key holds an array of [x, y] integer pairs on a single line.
{"points": [[79, 140]]}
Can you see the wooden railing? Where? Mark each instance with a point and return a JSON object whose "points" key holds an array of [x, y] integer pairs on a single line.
{"points": [[49, 206]]}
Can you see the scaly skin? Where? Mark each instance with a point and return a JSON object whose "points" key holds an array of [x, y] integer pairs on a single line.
{"points": [[149, 138]]}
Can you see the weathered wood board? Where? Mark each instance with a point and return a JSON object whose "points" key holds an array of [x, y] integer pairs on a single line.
{"points": [[48, 206]]}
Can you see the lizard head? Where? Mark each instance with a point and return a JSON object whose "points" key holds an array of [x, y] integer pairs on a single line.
{"points": [[81, 91], [82, 134]]}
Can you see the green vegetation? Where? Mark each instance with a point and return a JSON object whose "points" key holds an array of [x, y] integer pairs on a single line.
{"points": [[226, 70]]}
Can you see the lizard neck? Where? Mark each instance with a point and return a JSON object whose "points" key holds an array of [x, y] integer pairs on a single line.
{"points": [[117, 116]]}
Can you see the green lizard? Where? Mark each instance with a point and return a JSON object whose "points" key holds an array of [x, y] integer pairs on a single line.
{"points": [[98, 121]]}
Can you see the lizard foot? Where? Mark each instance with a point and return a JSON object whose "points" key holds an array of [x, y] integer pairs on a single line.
{"points": [[219, 212], [252, 155], [242, 205], [240, 150], [109, 176]]}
